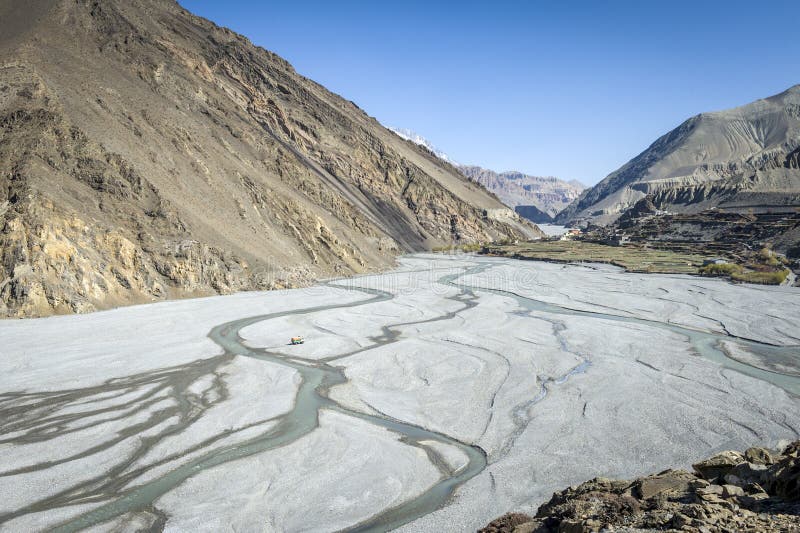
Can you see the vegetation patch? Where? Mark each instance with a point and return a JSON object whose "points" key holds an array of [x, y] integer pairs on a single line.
{"points": [[631, 258], [763, 267], [765, 278], [725, 269], [469, 247]]}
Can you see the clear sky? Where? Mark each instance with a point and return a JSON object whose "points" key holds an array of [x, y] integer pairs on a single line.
{"points": [[564, 88]]}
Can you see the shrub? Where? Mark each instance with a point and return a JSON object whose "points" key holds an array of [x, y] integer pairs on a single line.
{"points": [[764, 278], [724, 269], [768, 257]]}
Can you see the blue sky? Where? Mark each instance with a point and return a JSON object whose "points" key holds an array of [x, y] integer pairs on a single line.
{"points": [[564, 88]]}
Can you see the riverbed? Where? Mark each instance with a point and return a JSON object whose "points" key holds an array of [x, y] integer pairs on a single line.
{"points": [[433, 397]]}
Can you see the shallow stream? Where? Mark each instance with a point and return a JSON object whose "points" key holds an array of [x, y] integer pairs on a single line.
{"points": [[319, 376]]}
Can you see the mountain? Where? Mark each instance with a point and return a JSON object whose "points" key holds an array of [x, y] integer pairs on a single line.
{"points": [[740, 159], [534, 214], [146, 153], [418, 139], [548, 194]]}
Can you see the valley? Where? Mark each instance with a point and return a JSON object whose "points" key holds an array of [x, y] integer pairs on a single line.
{"points": [[232, 299], [434, 396], [147, 154]]}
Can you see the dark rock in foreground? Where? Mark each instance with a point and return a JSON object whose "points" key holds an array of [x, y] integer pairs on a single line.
{"points": [[754, 491]]}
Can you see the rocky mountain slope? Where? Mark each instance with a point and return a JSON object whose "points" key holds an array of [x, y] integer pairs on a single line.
{"points": [[753, 491], [548, 194], [146, 153], [739, 159]]}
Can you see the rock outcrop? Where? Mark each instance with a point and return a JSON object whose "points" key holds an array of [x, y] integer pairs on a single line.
{"points": [[757, 490], [736, 160], [146, 153]]}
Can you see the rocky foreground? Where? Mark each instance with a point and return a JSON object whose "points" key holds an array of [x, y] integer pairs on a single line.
{"points": [[731, 491]]}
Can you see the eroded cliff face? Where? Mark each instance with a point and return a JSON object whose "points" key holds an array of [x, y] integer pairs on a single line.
{"points": [[112, 240], [56, 262], [146, 153]]}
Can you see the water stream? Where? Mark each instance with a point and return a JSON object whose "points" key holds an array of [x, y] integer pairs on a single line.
{"points": [[319, 376], [706, 344]]}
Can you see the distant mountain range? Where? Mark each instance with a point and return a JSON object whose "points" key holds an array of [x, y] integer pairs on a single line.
{"points": [[741, 159], [548, 195], [534, 197]]}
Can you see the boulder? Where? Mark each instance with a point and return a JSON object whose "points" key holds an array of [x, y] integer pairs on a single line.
{"points": [[792, 450], [576, 526], [730, 491], [507, 523], [719, 465], [534, 526], [759, 456], [783, 479], [746, 473], [710, 489], [755, 488], [673, 481]]}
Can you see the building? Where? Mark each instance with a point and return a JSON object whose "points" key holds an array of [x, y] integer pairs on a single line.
{"points": [[571, 234]]}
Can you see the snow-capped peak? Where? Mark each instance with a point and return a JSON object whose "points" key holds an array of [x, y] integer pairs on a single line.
{"points": [[416, 138]]}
